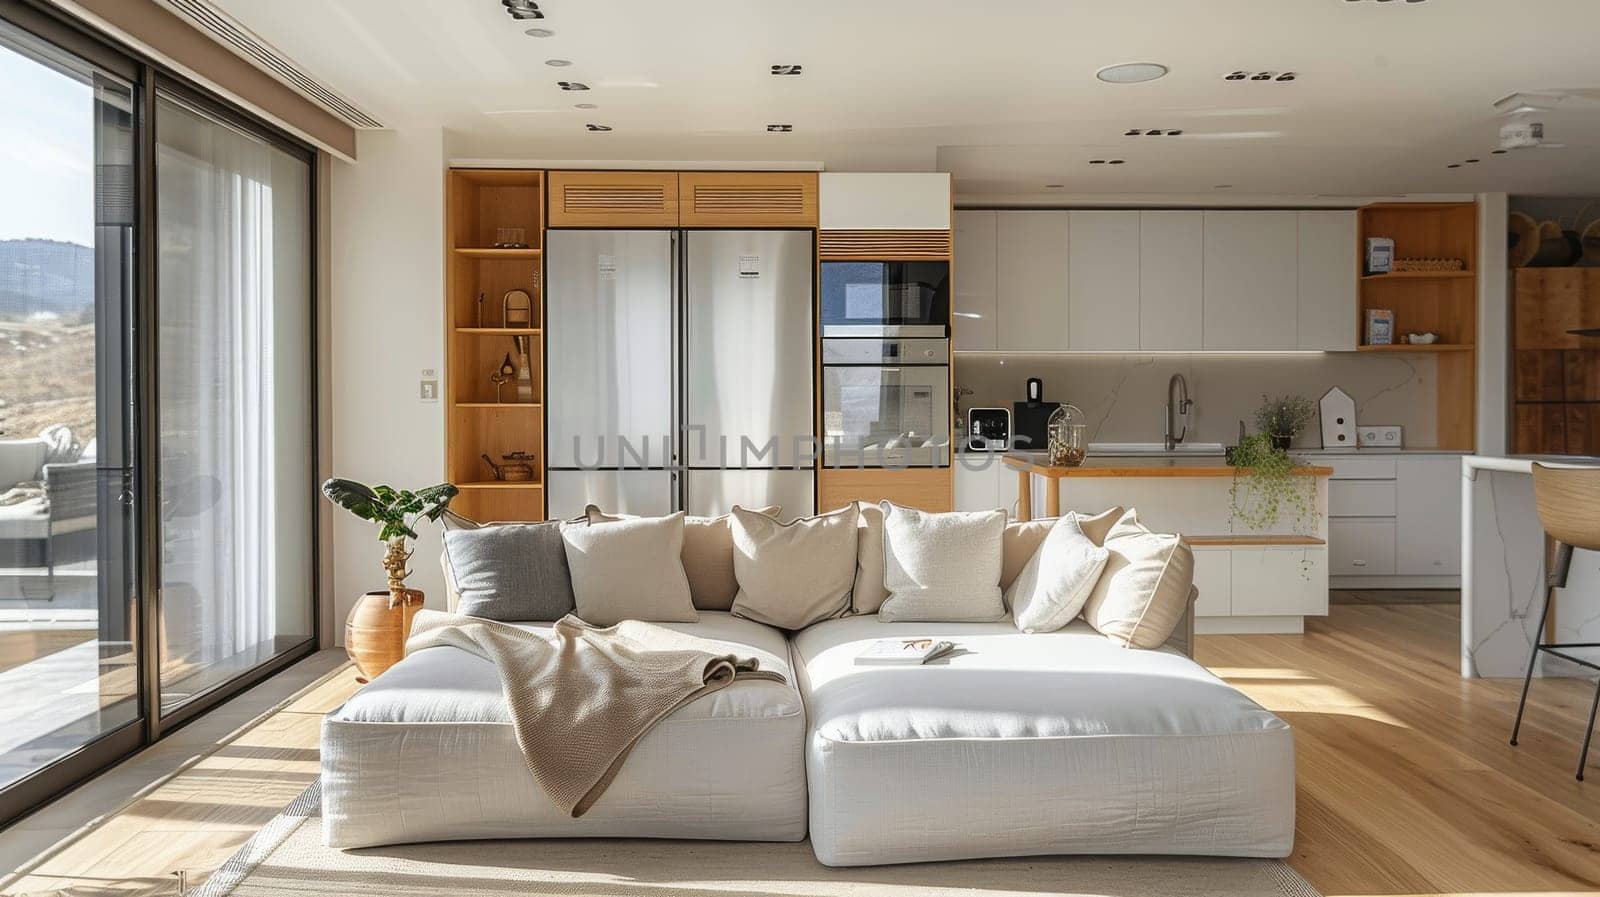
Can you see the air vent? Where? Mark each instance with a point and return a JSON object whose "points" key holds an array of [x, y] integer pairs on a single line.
{"points": [[642, 199], [792, 69], [883, 245], [779, 129], [244, 42], [752, 199], [594, 127], [572, 85], [1106, 161], [1153, 132]]}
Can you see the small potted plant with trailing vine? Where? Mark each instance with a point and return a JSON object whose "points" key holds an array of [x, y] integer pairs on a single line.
{"points": [[1284, 417], [375, 632]]}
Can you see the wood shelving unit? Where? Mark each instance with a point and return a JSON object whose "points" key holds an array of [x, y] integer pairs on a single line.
{"points": [[1442, 302], [479, 201]]}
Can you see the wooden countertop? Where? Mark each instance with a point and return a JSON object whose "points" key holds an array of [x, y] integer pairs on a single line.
{"points": [[1144, 467]]}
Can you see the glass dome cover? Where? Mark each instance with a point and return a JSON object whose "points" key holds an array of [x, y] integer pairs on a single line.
{"points": [[1067, 432]]}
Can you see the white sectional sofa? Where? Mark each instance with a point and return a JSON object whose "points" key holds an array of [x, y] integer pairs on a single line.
{"points": [[1014, 744]]}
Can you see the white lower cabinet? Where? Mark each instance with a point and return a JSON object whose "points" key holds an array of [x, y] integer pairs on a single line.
{"points": [[1360, 546], [1427, 533], [1213, 576], [1279, 581], [984, 483]]}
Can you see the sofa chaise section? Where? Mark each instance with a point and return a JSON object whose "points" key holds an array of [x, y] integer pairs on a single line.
{"points": [[426, 752], [1024, 744]]}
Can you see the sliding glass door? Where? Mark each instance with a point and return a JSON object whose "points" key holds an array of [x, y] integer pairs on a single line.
{"points": [[68, 625], [157, 403], [234, 399]]}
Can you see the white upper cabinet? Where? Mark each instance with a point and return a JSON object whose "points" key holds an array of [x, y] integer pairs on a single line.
{"points": [[883, 201], [1252, 281], [973, 279], [1171, 280], [1328, 265], [1103, 281], [1031, 281]]}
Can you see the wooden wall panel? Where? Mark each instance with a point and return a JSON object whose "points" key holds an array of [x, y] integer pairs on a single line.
{"points": [[1539, 429], [747, 199], [613, 199], [1583, 429], [1547, 303], [1539, 375], [927, 489]]}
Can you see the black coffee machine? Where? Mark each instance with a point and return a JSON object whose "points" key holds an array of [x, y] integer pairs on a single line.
{"points": [[1030, 419]]}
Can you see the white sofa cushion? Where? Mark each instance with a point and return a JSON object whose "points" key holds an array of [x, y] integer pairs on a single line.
{"points": [[941, 566], [426, 752], [793, 574], [1144, 590], [1033, 743], [1052, 588], [629, 570], [1023, 538]]}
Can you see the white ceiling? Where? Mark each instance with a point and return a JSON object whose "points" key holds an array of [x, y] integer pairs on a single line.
{"points": [[1000, 92]]}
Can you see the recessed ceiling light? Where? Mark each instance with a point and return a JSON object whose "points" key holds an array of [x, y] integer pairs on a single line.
{"points": [[1499, 152], [522, 9], [539, 32], [1113, 161], [572, 85], [1222, 186], [594, 127], [558, 63], [1454, 165], [1054, 186], [1242, 75], [1131, 72], [585, 106], [1097, 161], [1472, 161], [787, 69], [779, 129]]}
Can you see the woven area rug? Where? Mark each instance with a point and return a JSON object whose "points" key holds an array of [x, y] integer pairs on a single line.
{"points": [[287, 859]]}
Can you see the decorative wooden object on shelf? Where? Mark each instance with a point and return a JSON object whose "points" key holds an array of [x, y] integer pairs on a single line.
{"points": [[1444, 302], [1555, 386], [375, 633], [480, 202]]}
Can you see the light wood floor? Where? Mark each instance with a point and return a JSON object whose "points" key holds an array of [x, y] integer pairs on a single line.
{"points": [[1406, 783]]}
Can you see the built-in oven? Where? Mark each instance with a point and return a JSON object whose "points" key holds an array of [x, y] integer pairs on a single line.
{"points": [[886, 402], [878, 299]]}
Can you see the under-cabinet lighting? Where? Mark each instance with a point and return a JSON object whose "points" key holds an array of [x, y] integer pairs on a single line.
{"points": [[1212, 353]]}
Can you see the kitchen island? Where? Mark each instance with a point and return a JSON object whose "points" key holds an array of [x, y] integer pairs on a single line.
{"points": [[1503, 561], [1250, 580]]}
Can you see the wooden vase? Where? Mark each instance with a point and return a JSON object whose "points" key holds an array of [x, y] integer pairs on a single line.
{"points": [[375, 633]]}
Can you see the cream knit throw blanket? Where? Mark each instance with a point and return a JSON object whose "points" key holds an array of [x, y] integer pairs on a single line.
{"points": [[582, 697]]}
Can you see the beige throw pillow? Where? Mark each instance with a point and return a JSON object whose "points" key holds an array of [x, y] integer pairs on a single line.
{"points": [[707, 555], [629, 570], [868, 594], [1144, 590], [793, 574], [941, 567], [1022, 539], [1053, 587]]}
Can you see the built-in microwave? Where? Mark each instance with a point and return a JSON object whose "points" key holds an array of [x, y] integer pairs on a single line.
{"points": [[877, 299]]}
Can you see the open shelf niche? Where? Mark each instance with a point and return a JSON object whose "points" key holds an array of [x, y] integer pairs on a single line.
{"points": [[482, 419], [1441, 302]]}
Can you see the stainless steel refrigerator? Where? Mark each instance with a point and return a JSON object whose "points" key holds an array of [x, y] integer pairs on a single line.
{"points": [[679, 370]]}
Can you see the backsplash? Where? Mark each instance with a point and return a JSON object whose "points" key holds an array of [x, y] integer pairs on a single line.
{"points": [[1124, 396]]}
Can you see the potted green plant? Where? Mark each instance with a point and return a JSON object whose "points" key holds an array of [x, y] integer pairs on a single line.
{"points": [[1284, 417], [1265, 486], [375, 633]]}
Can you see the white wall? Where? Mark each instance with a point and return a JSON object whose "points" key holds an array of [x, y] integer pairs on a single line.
{"points": [[387, 271], [1494, 326]]}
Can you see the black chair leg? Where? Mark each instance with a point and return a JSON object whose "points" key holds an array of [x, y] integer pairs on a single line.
{"points": [[1583, 755], [1533, 658]]}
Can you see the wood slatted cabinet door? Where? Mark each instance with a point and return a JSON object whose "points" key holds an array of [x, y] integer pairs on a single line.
{"points": [[613, 199], [747, 199]]}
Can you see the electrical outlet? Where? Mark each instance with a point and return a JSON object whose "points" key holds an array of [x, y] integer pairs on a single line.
{"points": [[428, 390]]}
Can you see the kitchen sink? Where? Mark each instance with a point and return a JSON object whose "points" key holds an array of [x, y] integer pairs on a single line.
{"points": [[1141, 449]]}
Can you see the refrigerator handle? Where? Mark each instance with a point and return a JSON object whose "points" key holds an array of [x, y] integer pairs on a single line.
{"points": [[675, 439]]}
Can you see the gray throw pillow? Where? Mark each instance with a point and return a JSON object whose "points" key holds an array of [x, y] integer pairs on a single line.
{"points": [[511, 572]]}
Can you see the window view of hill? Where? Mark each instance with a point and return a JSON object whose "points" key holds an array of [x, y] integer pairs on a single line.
{"points": [[47, 357]]}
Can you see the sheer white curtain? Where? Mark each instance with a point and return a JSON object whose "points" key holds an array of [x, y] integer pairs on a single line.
{"points": [[234, 398]]}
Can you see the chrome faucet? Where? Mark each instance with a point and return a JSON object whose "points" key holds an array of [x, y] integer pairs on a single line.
{"points": [[1174, 408]]}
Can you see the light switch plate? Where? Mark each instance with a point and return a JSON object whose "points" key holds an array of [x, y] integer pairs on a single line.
{"points": [[1379, 437], [428, 386]]}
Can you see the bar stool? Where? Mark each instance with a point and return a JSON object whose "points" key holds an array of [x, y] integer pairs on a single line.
{"points": [[1568, 500]]}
